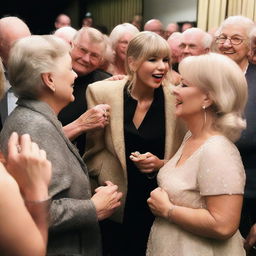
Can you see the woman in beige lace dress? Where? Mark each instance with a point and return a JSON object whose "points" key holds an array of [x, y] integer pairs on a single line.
{"points": [[199, 198]]}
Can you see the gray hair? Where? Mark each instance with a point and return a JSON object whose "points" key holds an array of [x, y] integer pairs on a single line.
{"points": [[29, 58], [237, 20], [120, 30], [206, 37]]}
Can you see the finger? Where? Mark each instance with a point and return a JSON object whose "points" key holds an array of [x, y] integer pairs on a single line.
{"points": [[25, 143], [42, 154], [109, 183], [35, 149], [12, 144]]}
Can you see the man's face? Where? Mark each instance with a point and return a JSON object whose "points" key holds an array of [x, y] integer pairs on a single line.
{"points": [[86, 55], [192, 45]]}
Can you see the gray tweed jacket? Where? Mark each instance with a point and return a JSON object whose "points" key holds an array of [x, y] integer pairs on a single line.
{"points": [[74, 226]]}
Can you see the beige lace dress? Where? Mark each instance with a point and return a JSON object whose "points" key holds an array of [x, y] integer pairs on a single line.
{"points": [[213, 169]]}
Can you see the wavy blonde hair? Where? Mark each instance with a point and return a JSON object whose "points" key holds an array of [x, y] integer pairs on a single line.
{"points": [[223, 80]]}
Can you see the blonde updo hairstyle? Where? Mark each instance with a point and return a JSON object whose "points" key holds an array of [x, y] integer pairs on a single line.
{"points": [[29, 58], [141, 48], [222, 79]]}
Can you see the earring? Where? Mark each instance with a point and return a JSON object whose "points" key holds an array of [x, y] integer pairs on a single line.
{"points": [[204, 107]]}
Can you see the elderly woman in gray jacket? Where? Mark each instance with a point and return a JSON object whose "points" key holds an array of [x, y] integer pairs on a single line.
{"points": [[41, 74]]}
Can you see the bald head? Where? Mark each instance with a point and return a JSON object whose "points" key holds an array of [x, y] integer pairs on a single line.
{"points": [[11, 29], [62, 20], [154, 25], [66, 33]]}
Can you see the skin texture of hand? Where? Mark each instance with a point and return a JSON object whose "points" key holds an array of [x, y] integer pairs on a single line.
{"points": [[29, 166], [250, 239], [147, 162], [94, 118], [159, 202], [106, 199]]}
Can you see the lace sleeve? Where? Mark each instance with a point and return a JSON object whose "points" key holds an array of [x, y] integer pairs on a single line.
{"points": [[221, 170]]}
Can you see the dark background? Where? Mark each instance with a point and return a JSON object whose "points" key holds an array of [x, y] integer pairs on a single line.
{"points": [[40, 15]]}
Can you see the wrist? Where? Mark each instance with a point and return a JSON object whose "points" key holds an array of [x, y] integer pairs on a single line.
{"points": [[170, 212]]}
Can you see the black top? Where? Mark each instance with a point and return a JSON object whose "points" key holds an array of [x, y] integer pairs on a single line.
{"points": [[149, 137], [247, 142], [76, 108]]}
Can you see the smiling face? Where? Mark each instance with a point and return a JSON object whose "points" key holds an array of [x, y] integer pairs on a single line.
{"points": [[86, 55], [238, 52], [151, 71], [189, 100], [63, 78]]}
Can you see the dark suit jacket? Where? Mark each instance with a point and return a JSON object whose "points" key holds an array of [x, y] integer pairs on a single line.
{"points": [[74, 226], [105, 149]]}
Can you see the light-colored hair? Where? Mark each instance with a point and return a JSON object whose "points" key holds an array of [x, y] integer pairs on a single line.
{"points": [[120, 30], [144, 46], [226, 87], [29, 58], [238, 20], [252, 34], [206, 37], [94, 35], [67, 33]]}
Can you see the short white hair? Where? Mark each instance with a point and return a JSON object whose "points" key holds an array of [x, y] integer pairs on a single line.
{"points": [[206, 37], [120, 30], [29, 58]]}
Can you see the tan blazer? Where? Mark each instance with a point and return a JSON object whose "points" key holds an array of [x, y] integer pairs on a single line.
{"points": [[105, 149]]}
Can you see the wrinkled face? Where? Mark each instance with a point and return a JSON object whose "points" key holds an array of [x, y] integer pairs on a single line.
{"points": [[63, 78], [192, 45], [121, 46], [233, 42], [86, 55], [152, 72], [189, 100]]}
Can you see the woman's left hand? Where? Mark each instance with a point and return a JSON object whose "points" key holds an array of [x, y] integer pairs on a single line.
{"points": [[147, 162], [159, 202]]}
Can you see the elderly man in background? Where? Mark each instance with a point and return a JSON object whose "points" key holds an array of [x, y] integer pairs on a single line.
{"points": [[66, 33], [11, 29], [233, 40], [154, 25], [194, 42], [62, 20], [88, 47], [170, 29]]}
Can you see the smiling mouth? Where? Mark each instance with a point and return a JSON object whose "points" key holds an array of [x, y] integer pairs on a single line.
{"points": [[158, 76]]}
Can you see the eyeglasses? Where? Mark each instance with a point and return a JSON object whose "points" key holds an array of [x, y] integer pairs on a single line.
{"points": [[93, 55], [233, 40]]}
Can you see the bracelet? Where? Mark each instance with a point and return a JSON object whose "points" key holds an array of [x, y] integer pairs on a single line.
{"points": [[170, 212]]}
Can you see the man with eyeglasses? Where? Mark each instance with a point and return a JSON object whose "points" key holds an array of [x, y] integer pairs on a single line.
{"points": [[233, 41], [87, 53], [195, 41]]}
